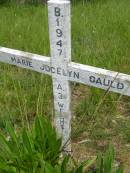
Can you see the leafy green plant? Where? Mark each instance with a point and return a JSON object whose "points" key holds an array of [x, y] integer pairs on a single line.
{"points": [[29, 150], [37, 150]]}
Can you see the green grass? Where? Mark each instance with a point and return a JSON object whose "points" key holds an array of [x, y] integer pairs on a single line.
{"points": [[100, 37], [24, 92]]}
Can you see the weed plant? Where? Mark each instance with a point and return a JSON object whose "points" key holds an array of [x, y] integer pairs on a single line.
{"points": [[38, 150]]}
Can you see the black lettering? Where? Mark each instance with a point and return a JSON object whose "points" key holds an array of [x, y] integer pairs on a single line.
{"points": [[60, 95], [112, 85], [18, 61], [24, 63], [106, 82], [92, 79], [42, 68], [57, 20], [59, 70], [59, 87], [60, 105], [120, 86], [59, 43], [76, 75], [60, 51], [61, 110], [59, 33], [52, 70], [62, 123], [13, 59], [47, 68], [70, 73], [64, 74], [57, 11], [30, 64], [98, 81]]}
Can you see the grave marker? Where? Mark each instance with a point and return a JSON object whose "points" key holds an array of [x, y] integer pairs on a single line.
{"points": [[62, 70], [60, 43]]}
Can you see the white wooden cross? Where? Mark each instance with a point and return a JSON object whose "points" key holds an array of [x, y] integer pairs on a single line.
{"points": [[62, 70]]}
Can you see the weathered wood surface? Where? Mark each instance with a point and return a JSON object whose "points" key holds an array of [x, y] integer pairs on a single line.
{"points": [[24, 59], [60, 43], [88, 75], [101, 78]]}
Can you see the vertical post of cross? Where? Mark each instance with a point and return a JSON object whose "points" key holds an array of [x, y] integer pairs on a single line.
{"points": [[60, 43]]}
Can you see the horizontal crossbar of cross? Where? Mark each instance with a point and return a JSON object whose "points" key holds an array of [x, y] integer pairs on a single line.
{"points": [[88, 75]]}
